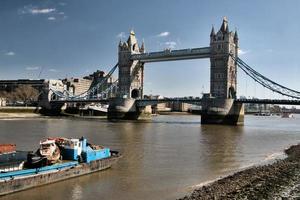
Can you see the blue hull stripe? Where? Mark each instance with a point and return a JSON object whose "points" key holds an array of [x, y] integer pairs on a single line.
{"points": [[37, 170]]}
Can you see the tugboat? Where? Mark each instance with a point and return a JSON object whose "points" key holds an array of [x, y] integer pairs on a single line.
{"points": [[58, 159], [47, 154]]}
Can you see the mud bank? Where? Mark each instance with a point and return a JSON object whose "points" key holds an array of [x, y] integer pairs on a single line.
{"points": [[279, 180]]}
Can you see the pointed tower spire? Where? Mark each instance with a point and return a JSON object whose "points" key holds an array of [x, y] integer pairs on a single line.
{"points": [[224, 27], [212, 33], [236, 37], [142, 49], [120, 43], [132, 41], [132, 32]]}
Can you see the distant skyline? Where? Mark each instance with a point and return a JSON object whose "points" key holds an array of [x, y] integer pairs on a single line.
{"points": [[73, 38]]}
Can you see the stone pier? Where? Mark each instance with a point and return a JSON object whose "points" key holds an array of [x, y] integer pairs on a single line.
{"points": [[222, 111], [126, 109]]}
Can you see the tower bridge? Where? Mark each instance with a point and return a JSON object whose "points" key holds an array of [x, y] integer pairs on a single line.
{"points": [[132, 59], [220, 107]]}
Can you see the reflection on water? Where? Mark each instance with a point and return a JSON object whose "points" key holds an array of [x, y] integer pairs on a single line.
{"points": [[162, 159], [77, 192]]}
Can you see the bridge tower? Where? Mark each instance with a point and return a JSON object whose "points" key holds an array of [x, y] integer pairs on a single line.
{"points": [[131, 80], [220, 107], [130, 72], [223, 67]]}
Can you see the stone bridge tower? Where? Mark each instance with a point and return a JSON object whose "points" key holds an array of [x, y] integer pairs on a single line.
{"points": [[130, 87], [223, 74], [131, 73], [221, 108]]}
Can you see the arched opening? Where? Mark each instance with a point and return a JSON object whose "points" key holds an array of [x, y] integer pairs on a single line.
{"points": [[53, 97], [134, 47], [135, 93], [232, 93]]}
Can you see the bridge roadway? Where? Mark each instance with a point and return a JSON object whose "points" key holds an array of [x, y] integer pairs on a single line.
{"points": [[145, 102], [168, 55]]}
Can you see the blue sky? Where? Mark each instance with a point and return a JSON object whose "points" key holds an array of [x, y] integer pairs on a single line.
{"points": [[72, 38]]}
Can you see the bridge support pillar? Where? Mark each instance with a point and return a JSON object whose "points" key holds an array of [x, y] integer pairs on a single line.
{"points": [[222, 111], [126, 109], [52, 109]]}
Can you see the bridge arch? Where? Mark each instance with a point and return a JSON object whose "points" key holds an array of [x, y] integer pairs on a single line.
{"points": [[135, 93]]}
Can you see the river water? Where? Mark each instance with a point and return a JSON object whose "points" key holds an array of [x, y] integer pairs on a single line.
{"points": [[164, 158]]}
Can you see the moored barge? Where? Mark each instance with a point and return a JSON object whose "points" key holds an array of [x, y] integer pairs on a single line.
{"points": [[77, 158]]}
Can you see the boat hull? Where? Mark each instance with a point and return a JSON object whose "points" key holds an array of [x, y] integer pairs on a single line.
{"points": [[15, 184]]}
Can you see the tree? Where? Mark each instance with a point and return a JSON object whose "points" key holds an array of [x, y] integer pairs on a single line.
{"points": [[25, 93]]}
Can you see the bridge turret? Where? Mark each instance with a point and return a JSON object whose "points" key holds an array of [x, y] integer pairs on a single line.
{"points": [[142, 49], [236, 37], [212, 34], [223, 67]]}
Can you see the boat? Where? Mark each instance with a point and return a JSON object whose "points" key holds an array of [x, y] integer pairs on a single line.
{"points": [[10, 158], [76, 158], [50, 150], [287, 115], [94, 110]]}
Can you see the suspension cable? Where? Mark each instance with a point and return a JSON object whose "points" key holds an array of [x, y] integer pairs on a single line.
{"points": [[89, 91], [264, 81]]}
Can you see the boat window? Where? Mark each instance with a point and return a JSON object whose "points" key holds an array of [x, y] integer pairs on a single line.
{"points": [[45, 146]]}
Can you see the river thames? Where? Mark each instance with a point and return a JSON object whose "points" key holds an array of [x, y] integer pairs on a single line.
{"points": [[164, 158]]}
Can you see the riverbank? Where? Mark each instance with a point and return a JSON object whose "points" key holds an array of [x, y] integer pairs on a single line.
{"points": [[279, 180], [4, 115]]}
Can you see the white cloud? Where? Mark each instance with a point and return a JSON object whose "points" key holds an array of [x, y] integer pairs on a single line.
{"points": [[121, 35], [53, 70], [29, 9], [32, 68], [10, 53], [242, 52], [35, 11], [170, 44], [51, 18], [163, 34]]}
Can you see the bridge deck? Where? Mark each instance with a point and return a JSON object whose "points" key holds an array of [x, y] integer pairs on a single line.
{"points": [[270, 101], [168, 55]]}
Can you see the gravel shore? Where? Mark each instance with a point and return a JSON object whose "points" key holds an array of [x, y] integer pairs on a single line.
{"points": [[279, 180]]}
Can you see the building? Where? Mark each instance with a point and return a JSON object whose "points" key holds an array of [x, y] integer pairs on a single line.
{"points": [[179, 106], [161, 107], [11, 85], [2, 102], [78, 86], [53, 89]]}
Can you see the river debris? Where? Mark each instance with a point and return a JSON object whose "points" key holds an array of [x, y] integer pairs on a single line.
{"points": [[279, 180]]}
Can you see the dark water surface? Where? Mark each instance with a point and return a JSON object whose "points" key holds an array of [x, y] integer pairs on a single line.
{"points": [[162, 159]]}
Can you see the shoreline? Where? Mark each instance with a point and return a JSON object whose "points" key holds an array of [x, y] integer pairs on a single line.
{"points": [[7, 115], [277, 180]]}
